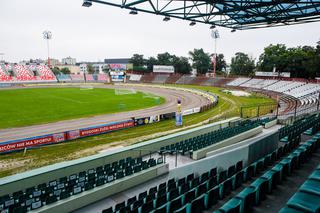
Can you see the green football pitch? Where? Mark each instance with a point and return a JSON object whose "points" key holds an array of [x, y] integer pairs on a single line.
{"points": [[22, 107]]}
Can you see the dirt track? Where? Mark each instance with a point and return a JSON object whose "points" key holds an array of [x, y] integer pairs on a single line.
{"points": [[189, 100]]}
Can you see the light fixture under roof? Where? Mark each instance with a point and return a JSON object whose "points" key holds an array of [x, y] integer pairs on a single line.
{"points": [[233, 30], [212, 26], [87, 3], [192, 23], [167, 18], [133, 12]]}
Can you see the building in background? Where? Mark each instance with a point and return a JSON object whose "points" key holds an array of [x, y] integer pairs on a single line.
{"points": [[73, 68], [69, 61], [53, 62], [83, 68]]}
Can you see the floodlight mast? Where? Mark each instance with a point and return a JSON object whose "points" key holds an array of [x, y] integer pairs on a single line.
{"points": [[215, 35], [47, 35]]}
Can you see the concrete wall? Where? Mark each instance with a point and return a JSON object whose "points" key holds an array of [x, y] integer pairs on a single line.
{"points": [[45, 174], [270, 124], [85, 198], [201, 153], [248, 151]]}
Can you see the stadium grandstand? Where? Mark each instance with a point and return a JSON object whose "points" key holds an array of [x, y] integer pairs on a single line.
{"points": [[122, 140]]}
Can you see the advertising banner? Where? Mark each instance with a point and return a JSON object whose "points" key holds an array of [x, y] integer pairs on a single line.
{"points": [[273, 74], [106, 128], [167, 116], [31, 142], [178, 119], [74, 134], [118, 66], [191, 111], [163, 69]]}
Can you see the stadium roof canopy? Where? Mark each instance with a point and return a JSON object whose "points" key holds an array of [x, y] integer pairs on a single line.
{"points": [[234, 14]]}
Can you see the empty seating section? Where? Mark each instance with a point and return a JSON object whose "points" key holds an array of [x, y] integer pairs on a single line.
{"points": [[63, 77], [77, 77], [190, 194], [160, 78], [23, 74], [264, 83], [134, 77], [147, 78], [173, 78], [64, 187], [185, 79], [89, 77], [252, 83], [308, 196], [192, 144], [306, 200], [199, 193], [45, 73], [238, 81], [4, 75], [102, 77]]}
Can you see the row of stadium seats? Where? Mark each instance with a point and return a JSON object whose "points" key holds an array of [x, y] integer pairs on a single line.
{"points": [[298, 127], [195, 194], [192, 144], [64, 187], [81, 78], [20, 73], [178, 193], [254, 194], [308, 196]]}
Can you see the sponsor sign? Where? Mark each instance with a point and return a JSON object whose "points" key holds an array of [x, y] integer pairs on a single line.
{"points": [[106, 128], [191, 111], [31, 142], [74, 134], [163, 69], [118, 66], [178, 119], [273, 74], [167, 116]]}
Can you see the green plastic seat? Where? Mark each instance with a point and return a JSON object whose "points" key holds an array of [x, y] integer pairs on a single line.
{"points": [[306, 202], [312, 186], [232, 206], [248, 198], [290, 210], [262, 185]]}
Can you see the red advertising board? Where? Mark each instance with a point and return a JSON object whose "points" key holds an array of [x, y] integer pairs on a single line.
{"points": [[54, 138], [103, 129]]}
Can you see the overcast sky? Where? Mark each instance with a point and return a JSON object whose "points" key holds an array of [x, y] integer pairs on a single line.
{"points": [[98, 32]]}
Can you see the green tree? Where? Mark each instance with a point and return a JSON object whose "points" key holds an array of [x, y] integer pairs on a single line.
{"points": [[242, 64], [137, 60], [150, 62], [90, 69], [181, 65], [273, 56], [221, 64], [65, 70], [165, 59], [200, 60], [56, 70]]}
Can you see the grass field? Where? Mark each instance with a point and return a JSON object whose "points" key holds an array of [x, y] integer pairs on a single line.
{"points": [[228, 106], [22, 107]]}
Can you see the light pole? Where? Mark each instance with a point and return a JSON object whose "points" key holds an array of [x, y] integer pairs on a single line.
{"points": [[215, 35], [47, 35]]}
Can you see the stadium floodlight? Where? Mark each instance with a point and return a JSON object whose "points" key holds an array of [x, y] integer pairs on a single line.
{"points": [[133, 12], [87, 3], [47, 35], [215, 35], [192, 23], [167, 18], [212, 26]]}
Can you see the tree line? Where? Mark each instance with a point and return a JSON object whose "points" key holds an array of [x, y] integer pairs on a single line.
{"points": [[300, 62], [201, 61]]}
